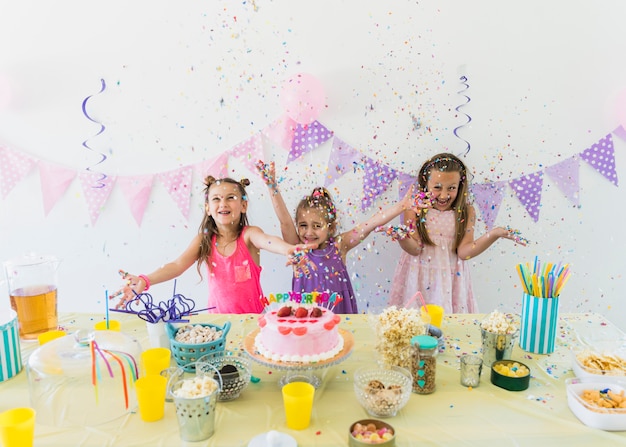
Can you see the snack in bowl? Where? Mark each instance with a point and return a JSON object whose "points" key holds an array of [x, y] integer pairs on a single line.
{"points": [[598, 402], [371, 431], [589, 363], [382, 391], [510, 375]]}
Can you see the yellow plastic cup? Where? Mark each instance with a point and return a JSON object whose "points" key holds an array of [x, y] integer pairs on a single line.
{"points": [[151, 397], [298, 400], [49, 336], [435, 312], [17, 427], [114, 325], [155, 360]]}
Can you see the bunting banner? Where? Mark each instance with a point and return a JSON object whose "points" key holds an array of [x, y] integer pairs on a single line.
{"points": [[55, 180], [344, 159], [14, 166]]}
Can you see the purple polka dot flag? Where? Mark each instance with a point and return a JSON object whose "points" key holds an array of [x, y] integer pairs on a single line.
{"points": [[178, 185], [376, 180], [528, 191], [306, 138], [488, 198], [341, 159], [96, 189], [565, 175], [14, 166], [601, 157], [405, 181]]}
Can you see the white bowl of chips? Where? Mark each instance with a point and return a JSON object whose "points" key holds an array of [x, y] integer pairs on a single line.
{"points": [[588, 363], [598, 402]]}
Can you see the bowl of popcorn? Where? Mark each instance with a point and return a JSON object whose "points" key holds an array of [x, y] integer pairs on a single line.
{"points": [[598, 402], [371, 431], [498, 334], [510, 375], [382, 391], [189, 342], [589, 363], [234, 369]]}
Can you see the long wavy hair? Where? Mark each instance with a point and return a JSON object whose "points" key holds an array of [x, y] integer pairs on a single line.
{"points": [[320, 199], [445, 162], [208, 228]]}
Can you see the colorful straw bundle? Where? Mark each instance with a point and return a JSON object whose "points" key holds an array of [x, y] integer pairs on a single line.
{"points": [[543, 282], [120, 358]]}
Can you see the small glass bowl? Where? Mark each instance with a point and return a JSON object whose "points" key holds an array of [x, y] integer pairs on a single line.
{"points": [[382, 391], [235, 370]]}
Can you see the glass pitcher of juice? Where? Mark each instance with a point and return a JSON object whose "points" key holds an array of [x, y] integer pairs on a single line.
{"points": [[32, 281]]}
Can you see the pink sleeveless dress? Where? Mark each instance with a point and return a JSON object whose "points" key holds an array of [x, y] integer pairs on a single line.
{"points": [[441, 276], [234, 281]]}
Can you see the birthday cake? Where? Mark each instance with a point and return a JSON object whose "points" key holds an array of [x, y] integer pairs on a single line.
{"points": [[299, 328]]}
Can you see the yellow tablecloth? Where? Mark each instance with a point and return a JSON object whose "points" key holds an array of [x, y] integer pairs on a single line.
{"points": [[452, 416]]}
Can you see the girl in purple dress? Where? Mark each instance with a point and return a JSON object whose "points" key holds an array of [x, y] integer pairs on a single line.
{"points": [[316, 223]]}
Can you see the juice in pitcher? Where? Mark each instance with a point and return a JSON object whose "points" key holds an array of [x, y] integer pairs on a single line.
{"points": [[36, 309]]}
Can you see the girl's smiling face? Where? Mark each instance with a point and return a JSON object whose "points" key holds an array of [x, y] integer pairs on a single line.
{"points": [[444, 187], [225, 204], [312, 226]]}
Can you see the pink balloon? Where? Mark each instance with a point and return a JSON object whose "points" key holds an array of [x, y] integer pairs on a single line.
{"points": [[302, 98]]}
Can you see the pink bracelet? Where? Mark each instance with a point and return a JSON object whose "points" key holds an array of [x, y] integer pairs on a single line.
{"points": [[145, 280]]}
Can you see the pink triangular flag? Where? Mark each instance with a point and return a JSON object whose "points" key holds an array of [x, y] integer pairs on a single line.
{"points": [[216, 166], [528, 191], [178, 185], [306, 138], [281, 131], [601, 157], [14, 166], [249, 152], [488, 198], [55, 180], [565, 175], [137, 189], [376, 180], [341, 159], [96, 188]]}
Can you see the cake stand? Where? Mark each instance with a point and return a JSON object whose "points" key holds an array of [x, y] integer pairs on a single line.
{"points": [[299, 371]]}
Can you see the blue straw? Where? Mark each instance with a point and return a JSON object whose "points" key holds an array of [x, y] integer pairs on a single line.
{"points": [[106, 302]]}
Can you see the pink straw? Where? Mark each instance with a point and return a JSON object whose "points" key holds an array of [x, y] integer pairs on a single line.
{"points": [[421, 297]]}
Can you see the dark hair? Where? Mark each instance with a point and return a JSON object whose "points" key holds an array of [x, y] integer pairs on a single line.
{"points": [[321, 200], [445, 162], [208, 228]]}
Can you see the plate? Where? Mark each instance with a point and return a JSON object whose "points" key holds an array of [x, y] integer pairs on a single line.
{"points": [[273, 438]]}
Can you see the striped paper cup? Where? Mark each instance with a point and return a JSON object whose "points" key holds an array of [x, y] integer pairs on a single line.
{"points": [[10, 353], [538, 324]]}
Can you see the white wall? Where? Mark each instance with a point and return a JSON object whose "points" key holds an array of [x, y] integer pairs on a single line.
{"points": [[188, 81]]}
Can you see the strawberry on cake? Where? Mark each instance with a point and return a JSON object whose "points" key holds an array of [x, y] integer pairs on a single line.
{"points": [[299, 333]]}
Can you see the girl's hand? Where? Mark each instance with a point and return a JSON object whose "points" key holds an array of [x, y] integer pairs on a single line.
{"points": [[133, 285], [268, 172], [299, 260], [509, 233], [396, 232]]}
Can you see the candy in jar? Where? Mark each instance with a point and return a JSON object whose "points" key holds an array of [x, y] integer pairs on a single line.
{"points": [[423, 363]]}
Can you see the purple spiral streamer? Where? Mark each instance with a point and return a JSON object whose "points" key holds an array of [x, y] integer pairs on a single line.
{"points": [[469, 118], [103, 156]]}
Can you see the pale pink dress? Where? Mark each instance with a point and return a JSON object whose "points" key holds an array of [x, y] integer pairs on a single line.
{"points": [[441, 276]]}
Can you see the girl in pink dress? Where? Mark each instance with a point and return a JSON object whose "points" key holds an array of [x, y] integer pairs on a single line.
{"points": [[316, 222], [434, 254], [228, 246]]}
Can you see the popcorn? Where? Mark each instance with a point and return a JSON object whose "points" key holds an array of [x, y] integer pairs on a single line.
{"points": [[499, 323], [199, 386], [394, 329]]}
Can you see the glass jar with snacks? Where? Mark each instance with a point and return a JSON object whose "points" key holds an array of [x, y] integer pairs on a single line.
{"points": [[423, 363]]}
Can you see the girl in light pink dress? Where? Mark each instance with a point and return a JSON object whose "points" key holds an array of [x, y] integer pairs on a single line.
{"points": [[433, 260]]}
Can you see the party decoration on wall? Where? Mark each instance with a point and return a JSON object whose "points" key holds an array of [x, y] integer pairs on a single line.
{"points": [[100, 182], [469, 118], [340, 162], [95, 196], [55, 180], [14, 166], [307, 138], [377, 179], [137, 192], [488, 197], [217, 167], [302, 98], [178, 185], [281, 131], [565, 175], [249, 152], [601, 156], [527, 188]]}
